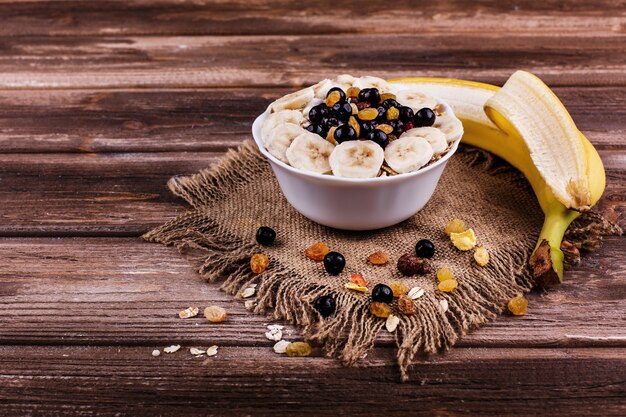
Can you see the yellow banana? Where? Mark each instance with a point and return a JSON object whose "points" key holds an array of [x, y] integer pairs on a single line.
{"points": [[468, 99]]}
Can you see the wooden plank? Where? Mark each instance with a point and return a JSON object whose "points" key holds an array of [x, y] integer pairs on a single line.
{"points": [[126, 195], [254, 381], [205, 120], [234, 61], [126, 291], [137, 17]]}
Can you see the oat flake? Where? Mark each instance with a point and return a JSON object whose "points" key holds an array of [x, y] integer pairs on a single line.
{"points": [[281, 346], [156, 352], [392, 323], [171, 349], [248, 292], [444, 305], [212, 351], [415, 293], [196, 351]]}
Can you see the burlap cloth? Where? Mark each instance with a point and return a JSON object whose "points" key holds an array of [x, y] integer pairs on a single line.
{"points": [[237, 195]]}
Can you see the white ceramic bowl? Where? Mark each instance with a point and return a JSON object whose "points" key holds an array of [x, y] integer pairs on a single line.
{"points": [[354, 203]]}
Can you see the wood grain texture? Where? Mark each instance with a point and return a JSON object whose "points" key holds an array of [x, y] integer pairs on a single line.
{"points": [[240, 17], [96, 121], [255, 381], [114, 194], [234, 61], [127, 292]]}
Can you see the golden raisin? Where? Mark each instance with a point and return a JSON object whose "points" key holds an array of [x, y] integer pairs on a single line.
{"points": [[355, 109], [465, 240], [382, 310], [358, 279], [518, 306], [385, 128], [481, 256], [448, 285], [331, 135], [406, 305], [454, 226], [259, 263], [298, 349], [393, 113], [368, 114], [444, 274], [355, 125], [378, 258], [353, 92], [387, 96], [317, 251], [333, 98], [398, 289], [215, 314]]}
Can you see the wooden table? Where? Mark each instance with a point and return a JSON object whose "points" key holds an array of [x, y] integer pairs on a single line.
{"points": [[102, 101]]}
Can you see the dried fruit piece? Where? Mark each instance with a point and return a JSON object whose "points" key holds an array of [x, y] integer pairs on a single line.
{"points": [[355, 287], [355, 125], [382, 310], [358, 279], [298, 349], [385, 128], [188, 312], [444, 274], [171, 349], [406, 305], [378, 258], [415, 293], [518, 306], [353, 92], [368, 114], [481, 256], [281, 346], [454, 226], [448, 285], [355, 108], [398, 289], [392, 323], [330, 136], [410, 265], [259, 263], [248, 292], [387, 96], [317, 251], [212, 351], [465, 240], [215, 314], [332, 98], [393, 113]]}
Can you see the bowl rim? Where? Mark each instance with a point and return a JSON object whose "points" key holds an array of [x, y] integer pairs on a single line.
{"points": [[257, 124]]}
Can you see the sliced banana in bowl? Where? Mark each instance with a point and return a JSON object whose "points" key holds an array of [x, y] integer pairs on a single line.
{"points": [[310, 152], [408, 154], [357, 159]]}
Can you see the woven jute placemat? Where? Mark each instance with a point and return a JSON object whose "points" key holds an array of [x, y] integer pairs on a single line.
{"points": [[230, 200]]}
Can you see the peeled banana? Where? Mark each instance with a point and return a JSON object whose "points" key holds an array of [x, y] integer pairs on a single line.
{"points": [[468, 100]]}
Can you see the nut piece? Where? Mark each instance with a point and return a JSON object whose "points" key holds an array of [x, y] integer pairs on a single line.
{"points": [[454, 226], [398, 289], [188, 312], [317, 251], [259, 263], [465, 240], [518, 306], [392, 323], [406, 305], [378, 258], [382, 310], [298, 349], [410, 265], [481, 256], [215, 314]]}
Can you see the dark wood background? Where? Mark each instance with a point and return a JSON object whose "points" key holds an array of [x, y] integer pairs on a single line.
{"points": [[102, 101]]}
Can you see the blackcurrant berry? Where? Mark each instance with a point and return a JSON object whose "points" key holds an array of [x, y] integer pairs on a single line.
{"points": [[317, 112], [382, 293], [342, 94], [424, 117], [379, 137], [325, 304], [344, 133], [265, 235], [405, 113], [334, 263], [342, 110], [370, 95], [424, 249]]}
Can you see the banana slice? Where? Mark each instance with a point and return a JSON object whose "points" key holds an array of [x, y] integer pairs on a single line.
{"points": [[372, 82], [450, 126], [310, 152], [434, 136], [321, 89], [357, 159], [345, 79], [408, 154], [276, 119], [415, 99], [281, 138], [294, 101]]}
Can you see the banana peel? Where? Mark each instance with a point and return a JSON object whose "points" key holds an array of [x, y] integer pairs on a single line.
{"points": [[467, 99]]}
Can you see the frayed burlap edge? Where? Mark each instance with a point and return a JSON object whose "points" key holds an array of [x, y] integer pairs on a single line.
{"points": [[350, 333]]}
